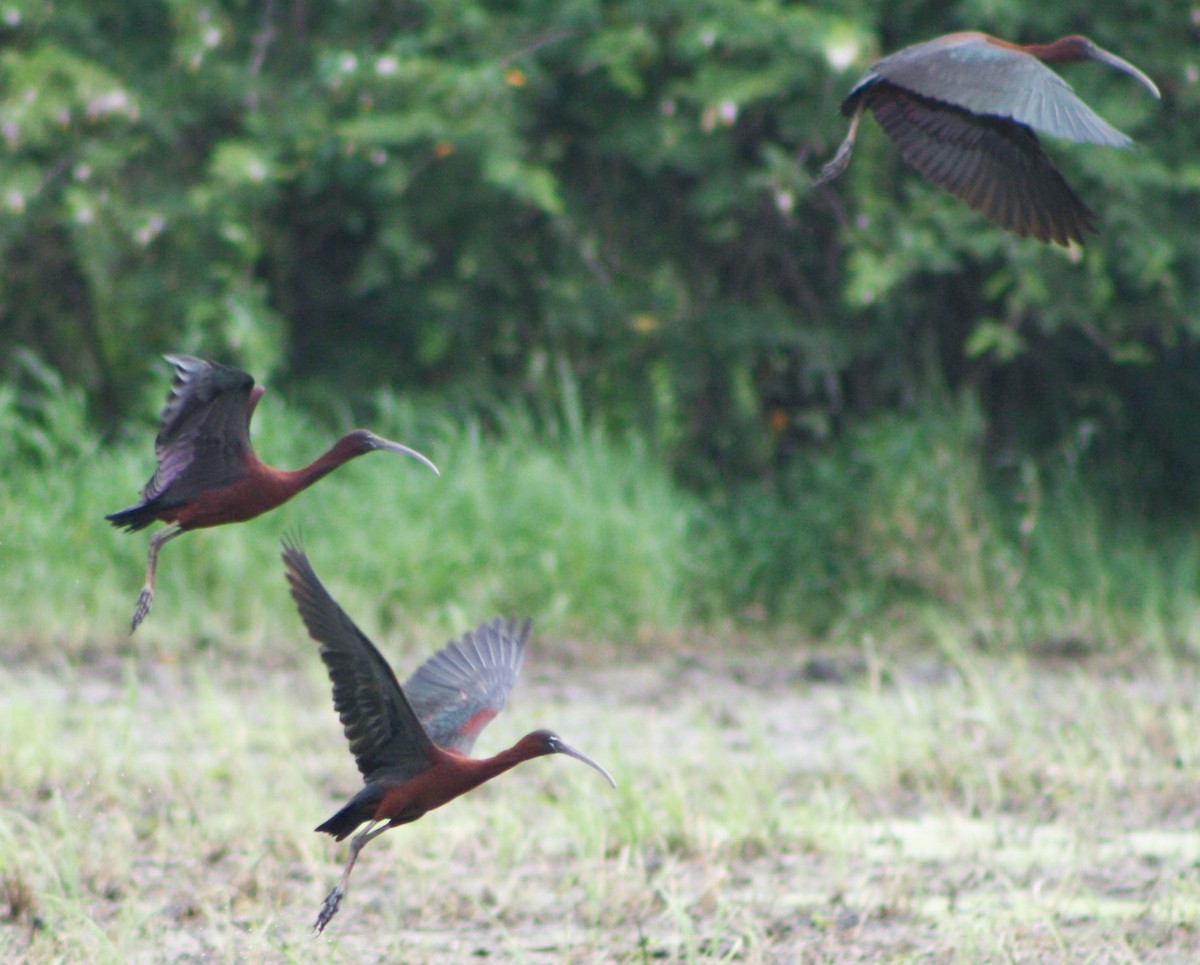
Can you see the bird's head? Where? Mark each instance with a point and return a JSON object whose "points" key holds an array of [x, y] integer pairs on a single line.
{"points": [[361, 441], [1076, 47], [543, 742]]}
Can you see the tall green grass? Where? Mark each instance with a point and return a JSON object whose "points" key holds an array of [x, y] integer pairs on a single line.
{"points": [[901, 530], [897, 531]]}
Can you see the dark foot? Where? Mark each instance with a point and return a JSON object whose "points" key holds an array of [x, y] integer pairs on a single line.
{"points": [[333, 901], [145, 598], [840, 162]]}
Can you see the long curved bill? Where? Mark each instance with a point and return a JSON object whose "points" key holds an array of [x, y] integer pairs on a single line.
{"points": [[388, 446], [1123, 65], [580, 756]]}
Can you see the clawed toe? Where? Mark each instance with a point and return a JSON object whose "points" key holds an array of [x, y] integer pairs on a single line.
{"points": [[145, 598], [333, 901]]}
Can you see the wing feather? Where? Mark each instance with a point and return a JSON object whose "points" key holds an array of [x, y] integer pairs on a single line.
{"points": [[996, 166], [204, 429], [463, 686], [386, 738]]}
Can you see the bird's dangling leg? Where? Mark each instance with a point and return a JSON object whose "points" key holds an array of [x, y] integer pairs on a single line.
{"points": [[146, 597], [333, 900], [842, 158]]}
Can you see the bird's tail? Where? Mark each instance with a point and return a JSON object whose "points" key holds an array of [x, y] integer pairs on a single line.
{"points": [[360, 810], [135, 517]]}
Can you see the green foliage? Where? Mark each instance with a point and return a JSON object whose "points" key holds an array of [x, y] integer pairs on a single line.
{"points": [[468, 197]]}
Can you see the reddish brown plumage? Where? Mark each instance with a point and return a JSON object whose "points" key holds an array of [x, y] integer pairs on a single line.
{"points": [[259, 489], [412, 743], [451, 775], [962, 110], [208, 473]]}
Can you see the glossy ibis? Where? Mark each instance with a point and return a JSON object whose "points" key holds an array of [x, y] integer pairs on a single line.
{"points": [[412, 744], [208, 473], [961, 109]]}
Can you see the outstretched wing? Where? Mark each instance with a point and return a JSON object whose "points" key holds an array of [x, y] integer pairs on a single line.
{"points": [[463, 686], [984, 78], [204, 429], [996, 166], [386, 738]]}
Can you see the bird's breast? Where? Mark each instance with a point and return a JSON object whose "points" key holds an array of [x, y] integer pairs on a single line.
{"points": [[450, 777], [246, 497]]}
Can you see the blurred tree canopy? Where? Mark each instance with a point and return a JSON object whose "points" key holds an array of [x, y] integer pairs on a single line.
{"points": [[479, 199]]}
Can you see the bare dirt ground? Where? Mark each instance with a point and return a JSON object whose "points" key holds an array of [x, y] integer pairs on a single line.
{"points": [[776, 807]]}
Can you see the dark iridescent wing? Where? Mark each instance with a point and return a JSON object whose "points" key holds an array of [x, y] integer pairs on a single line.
{"points": [[204, 430], [969, 72], [458, 690], [995, 166], [386, 738]]}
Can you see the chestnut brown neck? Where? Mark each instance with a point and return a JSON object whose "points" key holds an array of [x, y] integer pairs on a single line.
{"points": [[1062, 51], [526, 749], [346, 448]]}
